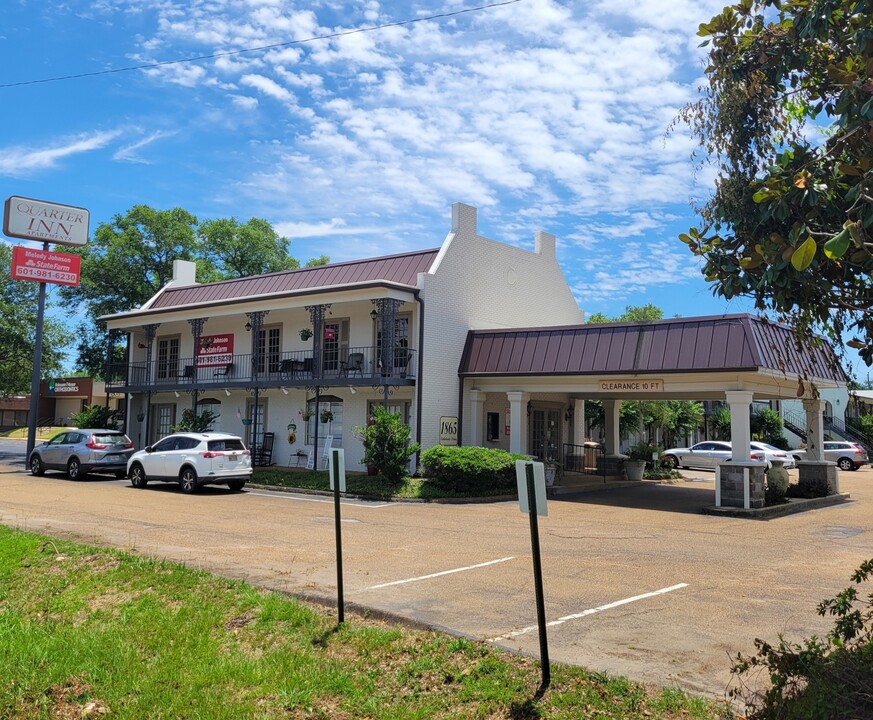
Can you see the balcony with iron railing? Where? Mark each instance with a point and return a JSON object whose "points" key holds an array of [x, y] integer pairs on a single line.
{"points": [[348, 366]]}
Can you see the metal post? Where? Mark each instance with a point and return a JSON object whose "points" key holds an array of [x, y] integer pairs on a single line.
{"points": [[340, 603], [36, 373], [538, 577]]}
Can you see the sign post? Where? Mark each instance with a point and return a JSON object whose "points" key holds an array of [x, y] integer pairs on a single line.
{"points": [[336, 472], [531, 479]]}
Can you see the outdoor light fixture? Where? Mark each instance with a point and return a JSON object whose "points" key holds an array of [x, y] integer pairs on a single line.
{"points": [[373, 314], [284, 390], [176, 393], [529, 407], [227, 392], [352, 390], [248, 327], [568, 415]]}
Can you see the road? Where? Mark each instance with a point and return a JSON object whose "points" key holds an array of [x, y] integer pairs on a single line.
{"points": [[637, 581]]}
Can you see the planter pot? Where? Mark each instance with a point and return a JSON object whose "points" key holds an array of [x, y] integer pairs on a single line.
{"points": [[634, 469], [550, 472], [777, 480]]}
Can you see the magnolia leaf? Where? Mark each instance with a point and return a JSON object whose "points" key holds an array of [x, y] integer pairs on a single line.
{"points": [[684, 237], [857, 344], [751, 263], [847, 169], [787, 253], [761, 196], [803, 256], [836, 247], [799, 181]]}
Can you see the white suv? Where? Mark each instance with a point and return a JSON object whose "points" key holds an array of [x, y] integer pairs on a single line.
{"points": [[193, 459]]}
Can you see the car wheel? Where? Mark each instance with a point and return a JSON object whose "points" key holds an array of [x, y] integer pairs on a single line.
{"points": [[36, 466], [236, 484], [188, 481], [74, 469], [138, 477], [672, 461], [846, 464]]}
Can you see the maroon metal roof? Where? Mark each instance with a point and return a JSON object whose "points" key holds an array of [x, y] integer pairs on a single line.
{"points": [[713, 343], [400, 269]]}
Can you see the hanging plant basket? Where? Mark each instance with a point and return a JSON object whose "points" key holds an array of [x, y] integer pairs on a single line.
{"points": [[246, 421], [305, 334], [326, 416]]}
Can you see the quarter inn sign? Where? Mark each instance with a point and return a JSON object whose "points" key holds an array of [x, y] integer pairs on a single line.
{"points": [[47, 222]]}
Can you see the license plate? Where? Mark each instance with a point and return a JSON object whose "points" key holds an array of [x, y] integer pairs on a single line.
{"points": [[231, 457]]}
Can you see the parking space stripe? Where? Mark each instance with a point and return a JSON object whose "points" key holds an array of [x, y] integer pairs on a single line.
{"points": [[297, 498], [590, 611], [439, 574]]}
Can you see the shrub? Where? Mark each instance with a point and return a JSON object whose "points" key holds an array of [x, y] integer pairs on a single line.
{"points": [[466, 469], [95, 416], [193, 422], [386, 444], [767, 427], [817, 679]]}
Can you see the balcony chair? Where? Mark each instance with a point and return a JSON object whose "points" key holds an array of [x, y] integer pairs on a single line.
{"points": [[354, 364], [226, 371]]}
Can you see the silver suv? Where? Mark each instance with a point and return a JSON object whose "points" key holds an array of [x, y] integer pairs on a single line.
{"points": [[847, 455], [83, 451], [193, 459]]}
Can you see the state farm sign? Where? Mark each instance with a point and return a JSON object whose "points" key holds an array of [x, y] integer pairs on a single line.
{"points": [[37, 220], [44, 266]]}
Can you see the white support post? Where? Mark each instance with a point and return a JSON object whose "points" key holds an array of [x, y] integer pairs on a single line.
{"points": [[740, 402], [814, 429], [718, 485], [518, 421], [612, 439], [475, 419]]}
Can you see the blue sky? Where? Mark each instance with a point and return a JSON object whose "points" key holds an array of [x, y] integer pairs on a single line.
{"points": [[544, 114]]}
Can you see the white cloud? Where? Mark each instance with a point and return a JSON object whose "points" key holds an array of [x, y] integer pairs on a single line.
{"points": [[268, 87], [129, 153], [25, 161]]}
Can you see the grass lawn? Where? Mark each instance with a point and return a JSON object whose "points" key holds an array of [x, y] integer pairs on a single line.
{"points": [[88, 632]]}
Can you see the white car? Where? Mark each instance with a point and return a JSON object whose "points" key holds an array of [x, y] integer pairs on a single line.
{"points": [[193, 459], [847, 455], [709, 453]]}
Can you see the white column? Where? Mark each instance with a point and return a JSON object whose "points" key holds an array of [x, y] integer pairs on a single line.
{"points": [[612, 437], [518, 421], [740, 402], [475, 419], [814, 429], [578, 436]]}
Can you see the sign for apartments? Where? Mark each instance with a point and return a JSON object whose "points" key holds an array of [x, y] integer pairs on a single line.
{"points": [[635, 385], [31, 219]]}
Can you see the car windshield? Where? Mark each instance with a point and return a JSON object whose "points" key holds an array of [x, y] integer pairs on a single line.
{"points": [[113, 439], [228, 444]]}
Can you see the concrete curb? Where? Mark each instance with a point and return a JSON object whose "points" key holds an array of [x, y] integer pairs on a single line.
{"points": [[794, 505]]}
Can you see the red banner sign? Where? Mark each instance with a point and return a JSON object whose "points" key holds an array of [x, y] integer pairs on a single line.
{"points": [[215, 350], [45, 266]]}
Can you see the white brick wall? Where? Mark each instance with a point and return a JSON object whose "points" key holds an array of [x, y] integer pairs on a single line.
{"points": [[478, 284]]}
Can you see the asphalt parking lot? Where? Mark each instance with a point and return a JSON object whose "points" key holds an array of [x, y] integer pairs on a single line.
{"points": [[637, 581]]}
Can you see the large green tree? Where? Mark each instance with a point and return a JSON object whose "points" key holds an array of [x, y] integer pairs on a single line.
{"points": [[130, 258], [787, 121], [632, 313], [18, 311]]}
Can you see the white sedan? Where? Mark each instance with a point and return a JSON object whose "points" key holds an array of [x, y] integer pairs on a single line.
{"points": [[709, 453]]}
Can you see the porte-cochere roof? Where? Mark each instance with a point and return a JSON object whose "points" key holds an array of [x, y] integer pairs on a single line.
{"points": [[712, 344]]}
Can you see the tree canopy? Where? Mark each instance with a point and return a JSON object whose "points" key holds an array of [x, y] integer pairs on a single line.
{"points": [[787, 122], [18, 310], [130, 258], [632, 313]]}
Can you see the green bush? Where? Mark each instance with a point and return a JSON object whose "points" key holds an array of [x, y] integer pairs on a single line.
{"points": [[817, 679], [386, 444], [95, 416], [767, 427], [466, 469], [194, 422]]}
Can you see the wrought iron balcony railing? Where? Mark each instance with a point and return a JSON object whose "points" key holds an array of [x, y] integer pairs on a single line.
{"points": [[349, 366]]}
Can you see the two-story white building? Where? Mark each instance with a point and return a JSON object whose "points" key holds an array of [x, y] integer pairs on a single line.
{"points": [[475, 342]]}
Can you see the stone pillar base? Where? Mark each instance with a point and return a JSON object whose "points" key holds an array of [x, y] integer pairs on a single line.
{"points": [[731, 485], [813, 473]]}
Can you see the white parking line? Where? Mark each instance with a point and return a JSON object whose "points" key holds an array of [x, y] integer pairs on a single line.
{"points": [[591, 611], [297, 498], [444, 572]]}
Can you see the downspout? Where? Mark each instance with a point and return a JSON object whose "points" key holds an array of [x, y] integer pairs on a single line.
{"points": [[460, 407], [418, 388]]}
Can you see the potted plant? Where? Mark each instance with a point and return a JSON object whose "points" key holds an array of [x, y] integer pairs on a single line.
{"points": [[326, 416], [637, 457], [552, 470], [305, 334], [307, 414]]}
